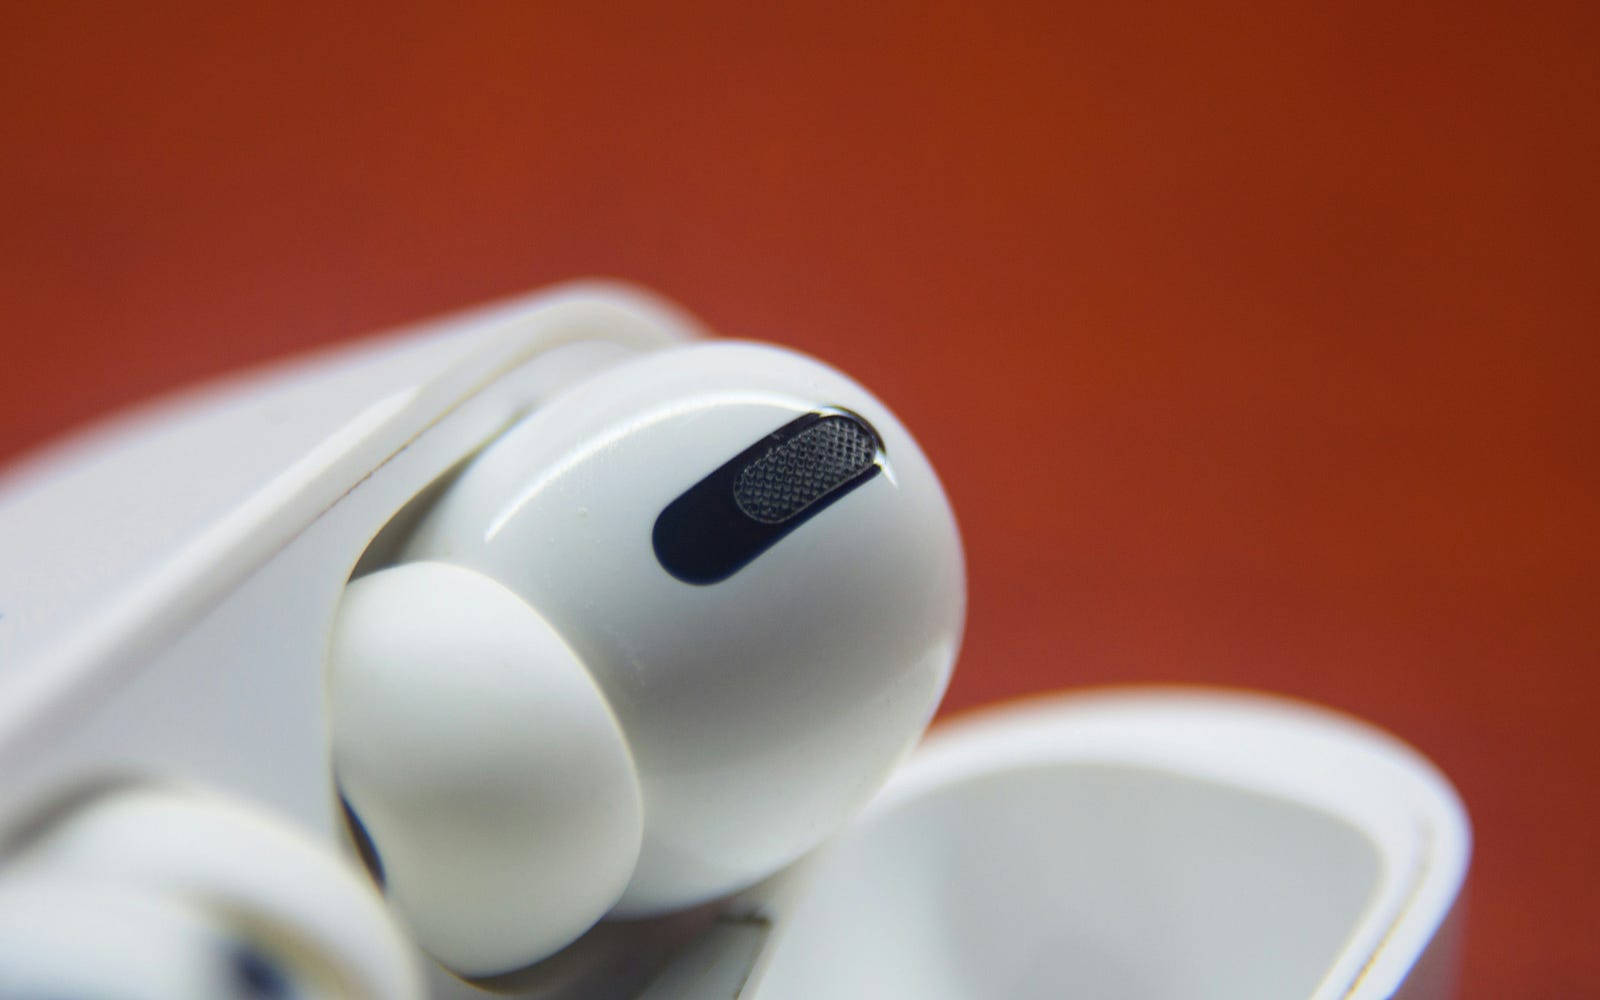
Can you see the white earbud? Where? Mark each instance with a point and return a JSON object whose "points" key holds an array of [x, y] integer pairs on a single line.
{"points": [[182, 895], [73, 938], [656, 642]]}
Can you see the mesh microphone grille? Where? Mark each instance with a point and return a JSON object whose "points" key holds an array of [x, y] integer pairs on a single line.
{"points": [[804, 469]]}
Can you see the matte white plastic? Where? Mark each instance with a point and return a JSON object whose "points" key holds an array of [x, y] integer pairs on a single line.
{"points": [[484, 763], [762, 710], [250, 874]]}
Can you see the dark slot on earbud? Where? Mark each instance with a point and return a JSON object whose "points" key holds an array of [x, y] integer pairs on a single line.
{"points": [[723, 522], [366, 850]]}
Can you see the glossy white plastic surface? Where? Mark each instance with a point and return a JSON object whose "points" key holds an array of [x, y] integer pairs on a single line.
{"points": [[484, 763], [764, 709], [118, 541], [180, 634], [1148, 845], [195, 652]]}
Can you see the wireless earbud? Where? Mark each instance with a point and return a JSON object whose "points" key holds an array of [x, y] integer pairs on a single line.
{"points": [[141, 892], [656, 642]]}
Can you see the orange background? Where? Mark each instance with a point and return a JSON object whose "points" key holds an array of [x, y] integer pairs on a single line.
{"points": [[1257, 346]]}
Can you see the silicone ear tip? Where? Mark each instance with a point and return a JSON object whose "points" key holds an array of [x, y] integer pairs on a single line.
{"points": [[485, 765]]}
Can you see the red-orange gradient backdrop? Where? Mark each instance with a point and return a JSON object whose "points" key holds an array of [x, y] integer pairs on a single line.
{"points": [[1257, 345]]}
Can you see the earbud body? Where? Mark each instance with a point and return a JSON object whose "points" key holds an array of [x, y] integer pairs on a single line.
{"points": [[757, 569]]}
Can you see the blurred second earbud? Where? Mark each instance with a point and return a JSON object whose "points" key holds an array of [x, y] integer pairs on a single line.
{"points": [[183, 895]]}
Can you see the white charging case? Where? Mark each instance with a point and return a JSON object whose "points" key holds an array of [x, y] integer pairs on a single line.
{"points": [[1137, 843], [166, 592]]}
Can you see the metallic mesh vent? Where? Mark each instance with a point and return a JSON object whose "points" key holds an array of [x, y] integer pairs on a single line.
{"points": [[804, 469]]}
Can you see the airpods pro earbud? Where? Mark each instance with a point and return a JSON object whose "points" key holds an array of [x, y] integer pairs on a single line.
{"points": [[147, 892], [660, 639]]}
